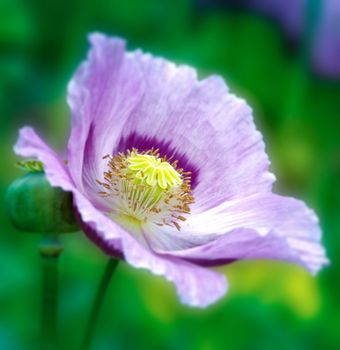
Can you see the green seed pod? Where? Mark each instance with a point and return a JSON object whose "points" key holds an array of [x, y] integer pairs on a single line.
{"points": [[34, 205]]}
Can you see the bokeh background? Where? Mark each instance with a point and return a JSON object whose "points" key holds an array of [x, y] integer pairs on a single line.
{"points": [[284, 58]]}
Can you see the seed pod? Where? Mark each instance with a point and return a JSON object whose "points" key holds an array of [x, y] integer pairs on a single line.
{"points": [[34, 205]]}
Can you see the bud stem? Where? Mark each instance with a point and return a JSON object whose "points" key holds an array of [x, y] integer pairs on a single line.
{"points": [[50, 249], [98, 302]]}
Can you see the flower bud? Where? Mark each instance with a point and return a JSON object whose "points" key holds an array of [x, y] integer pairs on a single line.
{"points": [[34, 205]]}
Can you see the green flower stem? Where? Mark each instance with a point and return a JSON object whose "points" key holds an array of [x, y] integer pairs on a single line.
{"points": [[50, 249], [98, 302]]}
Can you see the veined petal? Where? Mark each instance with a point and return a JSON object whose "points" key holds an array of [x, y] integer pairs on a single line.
{"points": [[30, 145], [280, 228], [102, 94], [196, 286], [167, 240], [202, 120]]}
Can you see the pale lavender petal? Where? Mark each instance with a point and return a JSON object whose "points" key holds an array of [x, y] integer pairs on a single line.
{"points": [[102, 94], [168, 238], [202, 120], [196, 286], [30, 145], [264, 226]]}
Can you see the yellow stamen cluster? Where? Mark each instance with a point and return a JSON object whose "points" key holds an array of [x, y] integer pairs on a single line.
{"points": [[154, 171], [147, 187]]}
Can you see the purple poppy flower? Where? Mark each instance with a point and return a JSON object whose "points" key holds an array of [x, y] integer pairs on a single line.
{"points": [[170, 174]]}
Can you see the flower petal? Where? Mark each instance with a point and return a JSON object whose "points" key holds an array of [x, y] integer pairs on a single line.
{"points": [[207, 124], [30, 145], [196, 286], [102, 94], [199, 119], [167, 238], [263, 226]]}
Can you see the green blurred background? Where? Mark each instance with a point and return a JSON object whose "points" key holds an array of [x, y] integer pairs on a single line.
{"points": [[269, 305]]}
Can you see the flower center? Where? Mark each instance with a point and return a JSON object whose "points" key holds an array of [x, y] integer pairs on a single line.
{"points": [[154, 171], [148, 188]]}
